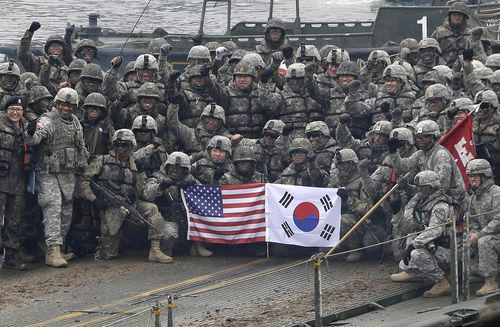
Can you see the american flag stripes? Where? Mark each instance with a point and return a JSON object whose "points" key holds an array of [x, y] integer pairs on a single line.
{"points": [[228, 214]]}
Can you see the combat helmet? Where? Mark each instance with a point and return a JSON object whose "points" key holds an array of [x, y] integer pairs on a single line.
{"points": [[243, 68], [10, 68], [95, 100], [486, 96], [296, 70], [459, 7], [199, 52], [155, 46], [38, 93], [124, 135], [194, 71], [53, 38], [300, 144], [274, 125], [346, 155], [77, 65], [220, 142], [380, 55], [444, 71], [91, 71], [244, 153], [318, 126], [402, 134], [395, 71], [348, 68], [30, 78], [275, 23], [254, 59], [309, 51], [479, 167], [463, 104], [437, 91], [129, 69], [410, 44], [67, 94], [238, 55], [495, 78], [214, 110], [85, 43], [230, 46], [427, 178], [145, 122], [148, 89], [337, 56], [493, 61], [383, 127], [429, 43], [325, 50], [178, 158], [428, 127], [483, 73], [212, 46], [146, 61]]}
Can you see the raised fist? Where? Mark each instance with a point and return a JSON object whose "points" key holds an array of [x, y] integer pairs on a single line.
{"points": [[34, 26]]}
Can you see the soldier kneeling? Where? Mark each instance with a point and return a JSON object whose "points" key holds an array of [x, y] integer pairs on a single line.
{"points": [[118, 173]]}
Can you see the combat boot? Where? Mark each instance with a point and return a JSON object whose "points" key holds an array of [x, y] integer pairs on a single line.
{"points": [[156, 255], [198, 249], [54, 258], [490, 286], [354, 256], [13, 261], [441, 288], [404, 277]]}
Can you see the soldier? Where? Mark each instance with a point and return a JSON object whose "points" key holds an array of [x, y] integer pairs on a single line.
{"points": [[303, 170], [485, 224], [253, 59], [408, 51], [294, 105], [149, 152], [9, 82], [74, 72], [160, 49], [27, 81], [324, 146], [356, 201], [428, 253], [225, 73], [378, 60], [244, 172], [164, 187], [39, 103], [493, 61], [455, 36], [198, 55], [12, 155], [486, 130], [86, 50], [274, 40], [429, 53], [215, 163], [60, 152], [91, 79], [459, 110], [97, 130], [430, 156], [437, 98], [129, 75]]}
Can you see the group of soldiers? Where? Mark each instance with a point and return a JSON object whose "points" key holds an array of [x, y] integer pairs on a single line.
{"points": [[105, 155]]}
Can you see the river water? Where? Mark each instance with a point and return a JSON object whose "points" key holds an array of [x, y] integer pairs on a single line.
{"points": [[175, 16]]}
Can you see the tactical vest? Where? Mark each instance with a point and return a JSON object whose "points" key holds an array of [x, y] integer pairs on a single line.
{"points": [[402, 100], [196, 103], [452, 43], [299, 109], [61, 153], [10, 144], [244, 114], [119, 173], [154, 162], [97, 138], [4, 95], [487, 144]]}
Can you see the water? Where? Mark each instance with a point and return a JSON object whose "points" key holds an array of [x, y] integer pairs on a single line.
{"points": [[175, 16]]}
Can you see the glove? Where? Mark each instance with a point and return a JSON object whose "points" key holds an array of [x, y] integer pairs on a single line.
{"points": [[345, 119], [34, 26], [166, 49], [187, 182], [363, 164], [116, 62], [311, 156], [139, 166], [395, 205], [55, 61], [220, 53], [176, 98], [161, 108], [266, 75], [31, 128], [451, 112], [99, 204], [397, 114], [407, 254], [197, 39], [392, 145], [311, 70], [204, 70], [287, 52], [342, 193], [174, 75], [354, 86], [166, 183], [287, 129], [70, 28], [468, 54], [385, 107], [218, 173], [476, 33]]}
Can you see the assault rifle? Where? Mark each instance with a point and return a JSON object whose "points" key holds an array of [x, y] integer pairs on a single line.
{"points": [[116, 200]]}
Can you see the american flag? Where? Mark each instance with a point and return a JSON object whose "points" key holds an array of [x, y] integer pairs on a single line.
{"points": [[228, 214]]}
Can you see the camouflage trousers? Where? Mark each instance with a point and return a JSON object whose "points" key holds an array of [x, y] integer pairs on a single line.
{"points": [[427, 265], [10, 221], [55, 197], [112, 220], [484, 262], [31, 225]]}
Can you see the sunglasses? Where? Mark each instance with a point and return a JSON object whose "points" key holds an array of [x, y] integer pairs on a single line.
{"points": [[313, 135], [121, 145]]}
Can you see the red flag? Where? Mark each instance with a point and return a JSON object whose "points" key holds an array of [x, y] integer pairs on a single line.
{"points": [[460, 142]]}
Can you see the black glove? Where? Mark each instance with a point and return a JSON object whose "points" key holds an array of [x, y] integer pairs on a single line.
{"points": [[354, 86], [397, 114], [311, 156], [166, 183], [451, 112], [99, 204], [31, 128], [116, 62], [392, 145], [287, 129], [395, 205], [363, 164], [204, 70], [177, 98], [161, 108], [139, 166], [174, 75], [287, 52], [468, 54], [385, 107], [218, 173], [55, 61], [343, 194], [266, 75], [187, 182], [70, 28], [345, 119], [407, 254], [34, 26]]}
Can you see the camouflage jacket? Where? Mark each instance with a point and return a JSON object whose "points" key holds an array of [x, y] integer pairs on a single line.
{"points": [[486, 198]]}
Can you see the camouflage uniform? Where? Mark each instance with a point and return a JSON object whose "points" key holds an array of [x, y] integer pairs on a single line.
{"points": [[377, 61], [97, 135], [204, 168], [429, 53], [266, 47], [225, 73], [198, 55], [91, 72], [441, 93], [235, 177], [10, 69], [33, 112]]}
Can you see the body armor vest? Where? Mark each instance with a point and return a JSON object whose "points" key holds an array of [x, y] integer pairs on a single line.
{"points": [[119, 173]]}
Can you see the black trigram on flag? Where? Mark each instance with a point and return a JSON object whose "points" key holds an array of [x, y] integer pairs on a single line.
{"points": [[327, 232], [288, 231], [326, 202], [286, 199]]}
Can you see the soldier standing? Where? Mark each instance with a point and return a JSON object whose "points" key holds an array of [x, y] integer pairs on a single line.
{"points": [[9, 82]]}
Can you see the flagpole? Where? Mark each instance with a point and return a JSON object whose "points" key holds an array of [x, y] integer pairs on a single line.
{"points": [[366, 216]]}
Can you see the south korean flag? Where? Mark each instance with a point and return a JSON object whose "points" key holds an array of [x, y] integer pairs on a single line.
{"points": [[305, 216]]}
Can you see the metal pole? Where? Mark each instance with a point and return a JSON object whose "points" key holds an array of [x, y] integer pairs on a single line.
{"points": [[297, 16], [157, 312], [170, 310], [465, 260], [228, 30], [318, 307], [454, 261], [202, 20], [271, 8]]}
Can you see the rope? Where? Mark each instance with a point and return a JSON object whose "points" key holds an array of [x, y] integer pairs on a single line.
{"points": [[133, 28]]}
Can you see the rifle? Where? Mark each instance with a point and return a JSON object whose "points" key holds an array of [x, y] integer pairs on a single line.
{"points": [[116, 200]]}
